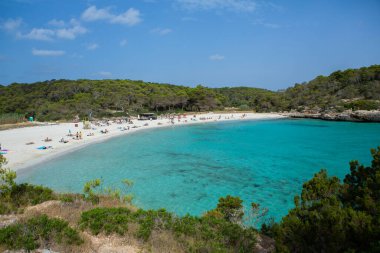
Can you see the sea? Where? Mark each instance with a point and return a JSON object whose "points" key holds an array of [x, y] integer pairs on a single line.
{"points": [[186, 169]]}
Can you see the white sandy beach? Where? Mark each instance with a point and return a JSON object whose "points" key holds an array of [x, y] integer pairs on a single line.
{"points": [[20, 155]]}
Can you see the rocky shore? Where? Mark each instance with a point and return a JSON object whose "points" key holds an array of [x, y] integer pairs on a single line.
{"points": [[355, 116]]}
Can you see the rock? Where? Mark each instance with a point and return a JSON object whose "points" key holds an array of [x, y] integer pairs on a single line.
{"points": [[264, 244], [111, 244], [43, 206], [46, 251], [6, 220], [34, 251], [355, 116]]}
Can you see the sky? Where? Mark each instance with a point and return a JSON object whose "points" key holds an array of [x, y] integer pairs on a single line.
{"points": [[267, 44]]}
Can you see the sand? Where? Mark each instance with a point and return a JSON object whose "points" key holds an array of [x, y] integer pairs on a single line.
{"points": [[23, 156]]}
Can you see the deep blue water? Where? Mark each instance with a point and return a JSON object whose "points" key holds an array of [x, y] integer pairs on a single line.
{"points": [[186, 169]]}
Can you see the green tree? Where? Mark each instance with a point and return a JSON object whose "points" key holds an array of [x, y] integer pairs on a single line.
{"points": [[7, 179], [229, 208], [89, 190], [334, 217]]}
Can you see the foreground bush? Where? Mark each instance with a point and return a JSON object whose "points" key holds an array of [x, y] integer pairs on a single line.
{"points": [[15, 196], [23, 195], [207, 234], [334, 217], [38, 232]]}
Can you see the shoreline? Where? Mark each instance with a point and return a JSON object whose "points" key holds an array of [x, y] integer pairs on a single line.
{"points": [[348, 116], [22, 157]]}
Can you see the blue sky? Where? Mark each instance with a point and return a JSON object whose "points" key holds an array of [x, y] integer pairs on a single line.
{"points": [[267, 44]]}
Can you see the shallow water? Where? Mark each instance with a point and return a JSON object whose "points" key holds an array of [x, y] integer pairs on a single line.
{"points": [[186, 169]]}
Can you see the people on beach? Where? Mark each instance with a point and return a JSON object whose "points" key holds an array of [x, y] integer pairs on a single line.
{"points": [[45, 147]]}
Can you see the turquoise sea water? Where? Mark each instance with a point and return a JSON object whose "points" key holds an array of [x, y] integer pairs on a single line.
{"points": [[186, 169]]}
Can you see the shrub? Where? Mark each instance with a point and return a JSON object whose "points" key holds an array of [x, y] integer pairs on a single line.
{"points": [[11, 118], [14, 196], [331, 216], [37, 232], [197, 234], [89, 190], [363, 105], [23, 195], [108, 220]]}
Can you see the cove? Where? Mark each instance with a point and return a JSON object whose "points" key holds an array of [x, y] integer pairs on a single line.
{"points": [[186, 169]]}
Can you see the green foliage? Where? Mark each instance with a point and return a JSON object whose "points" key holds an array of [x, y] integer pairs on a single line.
{"points": [[15, 196], [363, 105], [329, 92], [124, 194], [334, 217], [89, 190], [63, 99], [244, 107], [7, 178], [259, 100], [229, 208], [209, 234], [11, 118], [36, 232], [23, 195], [361, 188], [108, 220], [67, 198]]}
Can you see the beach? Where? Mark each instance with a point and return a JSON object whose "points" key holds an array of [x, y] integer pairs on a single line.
{"points": [[25, 147]]}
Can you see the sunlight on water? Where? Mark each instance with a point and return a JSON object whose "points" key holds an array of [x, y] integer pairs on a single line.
{"points": [[186, 169]]}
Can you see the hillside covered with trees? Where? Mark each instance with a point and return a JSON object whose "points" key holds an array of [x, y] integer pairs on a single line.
{"points": [[64, 99], [349, 89]]}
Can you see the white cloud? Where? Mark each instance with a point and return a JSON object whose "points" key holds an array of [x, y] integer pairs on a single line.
{"points": [[105, 73], [38, 52], [232, 5], [70, 32], [11, 24], [161, 31], [38, 34], [93, 14], [130, 17], [123, 43], [216, 57], [92, 46], [56, 22]]}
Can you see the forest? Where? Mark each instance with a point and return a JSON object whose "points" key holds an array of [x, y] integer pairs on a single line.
{"points": [[356, 89]]}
